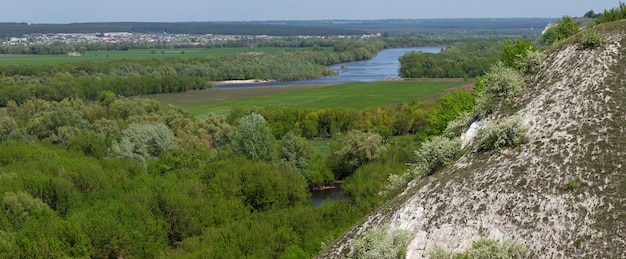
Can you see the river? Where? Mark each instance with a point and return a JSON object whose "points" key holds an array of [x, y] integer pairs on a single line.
{"points": [[383, 66]]}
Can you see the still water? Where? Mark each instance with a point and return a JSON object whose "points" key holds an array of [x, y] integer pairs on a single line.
{"points": [[384, 66], [320, 196]]}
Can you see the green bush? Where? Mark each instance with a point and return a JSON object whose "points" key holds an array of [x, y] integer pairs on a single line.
{"points": [[296, 152], [498, 87], [510, 52], [457, 126], [591, 40], [382, 243], [435, 154], [528, 61], [496, 135], [143, 141], [356, 149], [485, 248], [395, 183], [7, 125], [440, 253], [564, 28], [254, 140]]}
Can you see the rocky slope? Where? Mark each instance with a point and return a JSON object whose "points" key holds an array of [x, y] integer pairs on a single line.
{"points": [[562, 193]]}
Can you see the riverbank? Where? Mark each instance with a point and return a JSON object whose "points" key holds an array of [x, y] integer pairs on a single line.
{"points": [[241, 82]]}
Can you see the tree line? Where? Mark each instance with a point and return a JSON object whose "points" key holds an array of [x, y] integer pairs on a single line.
{"points": [[460, 59], [136, 77]]}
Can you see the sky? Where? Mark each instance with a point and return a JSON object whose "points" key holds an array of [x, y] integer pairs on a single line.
{"points": [[74, 11]]}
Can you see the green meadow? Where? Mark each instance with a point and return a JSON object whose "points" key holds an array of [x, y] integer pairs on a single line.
{"points": [[103, 55], [351, 95]]}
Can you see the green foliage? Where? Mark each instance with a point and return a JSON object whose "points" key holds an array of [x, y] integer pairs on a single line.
{"points": [[7, 125], [498, 87], [466, 58], [496, 135], [511, 50], [395, 183], [441, 253], [191, 197], [382, 243], [565, 27], [489, 248], [485, 248], [57, 125], [613, 14], [106, 98], [529, 61], [356, 149], [132, 77], [143, 141], [572, 186], [435, 154], [447, 108], [19, 206], [591, 40], [591, 14], [457, 126], [254, 140], [296, 152]]}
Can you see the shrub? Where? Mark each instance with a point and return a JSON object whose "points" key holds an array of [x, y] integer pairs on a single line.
{"points": [[440, 253], [499, 86], [435, 154], [510, 52], [356, 149], [485, 248], [490, 248], [591, 40], [296, 152], [564, 28], [529, 61], [460, 124], [254, 140], [572, 186], [20, 205], [500, 134], [143, 141], [222, 133], [395, 183], [7, 125], [381, 243]]}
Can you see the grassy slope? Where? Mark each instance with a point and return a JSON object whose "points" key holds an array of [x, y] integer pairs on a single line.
{"points": [[352, 95], [100, 56]]}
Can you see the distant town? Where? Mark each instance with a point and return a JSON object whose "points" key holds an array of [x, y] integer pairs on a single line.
{"points": [[148, 38]]}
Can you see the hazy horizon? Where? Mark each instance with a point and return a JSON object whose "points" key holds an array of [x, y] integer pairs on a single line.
{"points": [[78, 11]]}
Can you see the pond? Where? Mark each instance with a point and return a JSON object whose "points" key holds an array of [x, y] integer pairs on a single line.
{"points": [[320, 196]]}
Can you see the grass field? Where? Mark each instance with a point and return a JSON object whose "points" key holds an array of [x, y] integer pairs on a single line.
{"points": [[101, 56], [352, 95]]}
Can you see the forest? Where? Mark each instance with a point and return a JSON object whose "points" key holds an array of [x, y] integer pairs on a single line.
{"points": [[127, 177]]}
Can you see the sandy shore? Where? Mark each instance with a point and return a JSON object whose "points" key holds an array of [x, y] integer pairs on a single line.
{"points": [[237, 82]]}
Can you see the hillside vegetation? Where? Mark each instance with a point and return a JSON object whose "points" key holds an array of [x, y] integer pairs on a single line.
{"points": [[548, 183]]}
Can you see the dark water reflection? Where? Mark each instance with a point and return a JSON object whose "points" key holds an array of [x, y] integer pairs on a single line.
{"points": [[320, 196], [384, 66]]}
